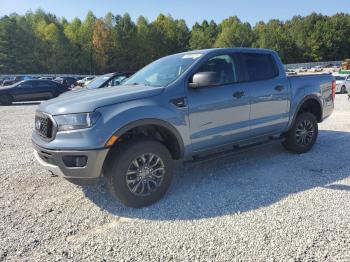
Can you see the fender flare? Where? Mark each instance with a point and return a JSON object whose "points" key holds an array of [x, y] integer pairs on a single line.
{"points": [[305, 99], [153, 121]]}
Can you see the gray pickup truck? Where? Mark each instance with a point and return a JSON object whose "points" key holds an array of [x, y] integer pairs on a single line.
{"points": [[187, 106]]}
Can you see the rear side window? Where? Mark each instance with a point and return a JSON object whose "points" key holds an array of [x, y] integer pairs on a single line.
{"points": [[43, 84], [258, 66]]}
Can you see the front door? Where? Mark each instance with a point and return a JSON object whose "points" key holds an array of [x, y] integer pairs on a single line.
{"points": [[24, 91], [219, 114]]}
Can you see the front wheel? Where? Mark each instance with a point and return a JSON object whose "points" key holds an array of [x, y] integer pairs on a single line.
{"points": [[6, 100], [139, 172], [302, 135]]}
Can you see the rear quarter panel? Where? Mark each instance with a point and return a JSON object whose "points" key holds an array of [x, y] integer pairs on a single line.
{"points": [[318, 87]]}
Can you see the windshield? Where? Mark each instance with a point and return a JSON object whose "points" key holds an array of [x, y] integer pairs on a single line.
{"points": [[163, 71], [340, 78], [98, 81]]}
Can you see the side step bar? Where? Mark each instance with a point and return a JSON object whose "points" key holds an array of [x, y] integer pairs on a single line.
{"points": [[235, 149]]}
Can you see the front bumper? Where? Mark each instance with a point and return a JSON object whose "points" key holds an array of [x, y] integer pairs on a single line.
{"points": [[52, 160]]}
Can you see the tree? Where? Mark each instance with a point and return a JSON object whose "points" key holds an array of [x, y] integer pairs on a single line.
{"points": [[101, 44], [203, 36], [40, 42], [234, 33], [273, 35]]}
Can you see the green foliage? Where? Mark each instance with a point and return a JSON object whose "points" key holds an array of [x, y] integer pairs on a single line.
{"points": [[234, 33], [39, 42], [203, 36]]}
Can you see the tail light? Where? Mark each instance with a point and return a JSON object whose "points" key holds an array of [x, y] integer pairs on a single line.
{"points": [[334, 87]]}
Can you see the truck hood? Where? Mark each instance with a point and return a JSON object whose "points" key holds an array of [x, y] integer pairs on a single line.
{"points": [[87, 100]]}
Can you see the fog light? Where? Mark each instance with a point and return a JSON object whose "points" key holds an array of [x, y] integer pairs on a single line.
{"points": [[75, 161]]}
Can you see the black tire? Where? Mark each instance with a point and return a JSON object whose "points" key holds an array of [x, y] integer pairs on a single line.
{"points": [[301, 142], [121, 161], [6, 100], [343, 90]]}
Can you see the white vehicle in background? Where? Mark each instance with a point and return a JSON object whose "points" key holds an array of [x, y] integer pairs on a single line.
{"points": [[343, 83], [290, 72], [301, 69], [336, 68], [317, 69], [85, 81]]}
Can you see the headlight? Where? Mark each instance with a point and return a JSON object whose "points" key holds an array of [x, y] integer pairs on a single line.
{"points": [[76, 121]]}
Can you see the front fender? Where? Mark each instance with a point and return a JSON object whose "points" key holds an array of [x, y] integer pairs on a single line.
{"points": [[120, 118]]}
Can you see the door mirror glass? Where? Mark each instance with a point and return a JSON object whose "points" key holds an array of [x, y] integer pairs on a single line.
{"points": [[204, 79]]}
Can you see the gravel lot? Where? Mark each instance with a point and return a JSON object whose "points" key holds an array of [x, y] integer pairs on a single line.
{"points": [[265, 205]]}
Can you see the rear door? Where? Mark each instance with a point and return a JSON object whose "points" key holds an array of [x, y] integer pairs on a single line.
{"points": [[44, 90], [269, 90]]}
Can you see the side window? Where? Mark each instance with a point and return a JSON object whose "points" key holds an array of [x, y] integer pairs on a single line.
{"points": [[224, 66], [52, 84], [259, 66], [117, 80], [27, 84], [43, 84]]}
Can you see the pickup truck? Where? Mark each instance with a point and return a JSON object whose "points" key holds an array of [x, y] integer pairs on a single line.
{"points": [[342, 83], [187, 107]]}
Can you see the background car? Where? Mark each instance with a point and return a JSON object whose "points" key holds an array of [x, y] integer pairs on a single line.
{"points": [[2, 79], [301, 69], [66, 81], [16, 79], [343, 83], [30, 90], [46, 78], [290, 72], [85, 81], [111, 79], [317, 69]]}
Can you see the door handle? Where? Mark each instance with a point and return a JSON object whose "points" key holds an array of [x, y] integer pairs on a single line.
{"points": [[279, 88], [238, 94]]}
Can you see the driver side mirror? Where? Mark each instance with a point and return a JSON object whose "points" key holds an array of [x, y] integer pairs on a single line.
{"points": [[204, 79]]}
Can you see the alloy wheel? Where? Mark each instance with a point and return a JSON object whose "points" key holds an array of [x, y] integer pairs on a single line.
{"points": [[145, 174], [304, 132]]}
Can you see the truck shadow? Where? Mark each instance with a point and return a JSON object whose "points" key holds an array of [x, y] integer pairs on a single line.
{"points": [[243, 182]]}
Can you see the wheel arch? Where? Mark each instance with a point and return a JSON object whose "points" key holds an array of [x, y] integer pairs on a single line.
{"points": [[312, 104], [175, 146], [8, 95]]}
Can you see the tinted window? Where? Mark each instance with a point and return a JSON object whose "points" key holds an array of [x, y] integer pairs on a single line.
{"points": [[259, 66], [27, 84], [116, 80], [53, 84], [340, 78], [43, 84], [224, 66]]}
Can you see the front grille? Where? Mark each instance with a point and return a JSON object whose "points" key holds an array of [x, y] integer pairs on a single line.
{"points": [[44, 126]]}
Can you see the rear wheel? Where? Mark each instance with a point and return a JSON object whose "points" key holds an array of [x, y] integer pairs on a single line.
{"points": [[343, 90], [6, 100], [139, 172], [302, 135]]}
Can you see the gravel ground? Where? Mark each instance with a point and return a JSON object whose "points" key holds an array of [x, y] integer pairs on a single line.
{"points": [[261, 205]]}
